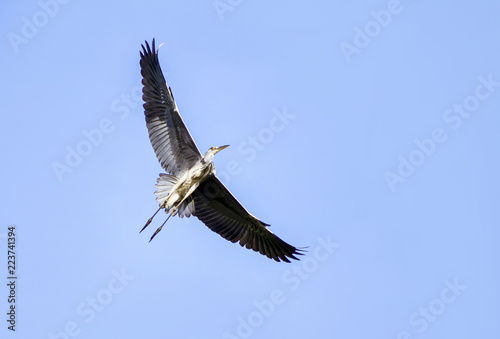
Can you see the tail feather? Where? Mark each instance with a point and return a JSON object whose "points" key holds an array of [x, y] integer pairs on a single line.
{"points": [[164, 186], [186, 209]]}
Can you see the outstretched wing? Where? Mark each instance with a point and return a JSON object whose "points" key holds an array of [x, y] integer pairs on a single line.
{"points": [[217, 208], [171, 140]]}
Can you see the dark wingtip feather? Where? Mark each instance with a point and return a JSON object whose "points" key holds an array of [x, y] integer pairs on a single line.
{"points": [[148, 50]]}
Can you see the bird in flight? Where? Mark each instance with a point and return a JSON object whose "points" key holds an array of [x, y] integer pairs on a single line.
{"points": [[190, 186]]}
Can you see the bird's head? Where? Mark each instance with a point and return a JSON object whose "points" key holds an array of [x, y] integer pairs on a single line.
{"points": [[213, 151]]}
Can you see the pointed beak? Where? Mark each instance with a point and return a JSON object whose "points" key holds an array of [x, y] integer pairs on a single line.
{"points": [[221, 148]]}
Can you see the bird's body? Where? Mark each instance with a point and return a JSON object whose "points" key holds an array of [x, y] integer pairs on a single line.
{"points": [[191, 187], [186, 183]]}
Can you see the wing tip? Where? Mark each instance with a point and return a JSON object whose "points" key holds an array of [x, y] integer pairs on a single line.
{"points": [[292, 254], [149, 50]]}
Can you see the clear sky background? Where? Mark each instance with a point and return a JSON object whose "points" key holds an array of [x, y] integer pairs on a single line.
{"points": [[367, 131]]}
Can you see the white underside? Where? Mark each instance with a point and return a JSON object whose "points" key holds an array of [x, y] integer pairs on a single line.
{"points": [[166, 184]]}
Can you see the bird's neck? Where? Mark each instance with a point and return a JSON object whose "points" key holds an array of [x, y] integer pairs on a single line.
{"points": [[207, 159]]}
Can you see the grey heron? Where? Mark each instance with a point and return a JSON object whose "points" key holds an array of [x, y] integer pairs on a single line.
{"points": [[190, 186]]}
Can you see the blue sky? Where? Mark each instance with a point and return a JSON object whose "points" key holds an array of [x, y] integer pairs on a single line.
{"points": [[367, 131]]}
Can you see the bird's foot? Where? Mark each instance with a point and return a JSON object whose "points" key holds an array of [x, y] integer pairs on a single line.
{"points": [[147, 224], [157, 231]]}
